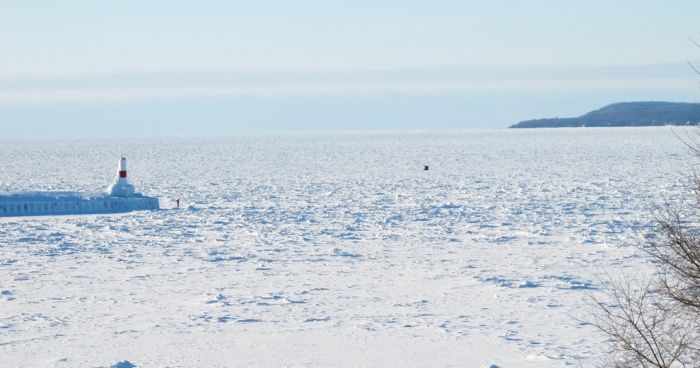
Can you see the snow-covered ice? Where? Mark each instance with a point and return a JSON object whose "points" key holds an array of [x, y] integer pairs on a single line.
{"points": [[332, 250]]}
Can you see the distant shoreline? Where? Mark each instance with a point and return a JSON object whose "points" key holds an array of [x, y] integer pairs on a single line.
{"points": [[626, 114]]}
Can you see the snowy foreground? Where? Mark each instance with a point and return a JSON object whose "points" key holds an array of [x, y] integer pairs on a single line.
{"points": [[332, 251]]}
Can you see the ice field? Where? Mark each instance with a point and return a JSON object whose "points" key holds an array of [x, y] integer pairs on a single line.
{"points": [[332, 250]]}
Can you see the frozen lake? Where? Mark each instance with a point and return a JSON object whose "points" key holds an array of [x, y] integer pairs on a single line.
{"points": [[331, 250]]}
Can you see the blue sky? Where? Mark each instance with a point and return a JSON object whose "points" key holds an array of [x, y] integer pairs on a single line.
{"points": [[157, 66]]}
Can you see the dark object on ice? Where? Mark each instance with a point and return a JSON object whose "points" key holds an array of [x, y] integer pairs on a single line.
{"points": [[426, 168], [124, 364], [177, 201], [650, 113]]}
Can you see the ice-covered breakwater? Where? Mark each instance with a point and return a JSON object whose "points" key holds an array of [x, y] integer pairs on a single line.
{"points": [[121, 196], [70, 203]]}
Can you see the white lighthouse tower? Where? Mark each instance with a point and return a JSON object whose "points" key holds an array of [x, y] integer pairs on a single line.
{"points": [[121, 187]]}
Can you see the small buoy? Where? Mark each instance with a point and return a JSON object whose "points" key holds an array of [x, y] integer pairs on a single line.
{"points": [[426, 168]]}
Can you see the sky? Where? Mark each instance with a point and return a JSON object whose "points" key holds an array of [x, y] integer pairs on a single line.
{"points": [[82, 68]]}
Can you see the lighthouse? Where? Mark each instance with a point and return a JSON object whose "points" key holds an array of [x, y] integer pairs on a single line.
{"points": [[121, 187], [120, 197]]}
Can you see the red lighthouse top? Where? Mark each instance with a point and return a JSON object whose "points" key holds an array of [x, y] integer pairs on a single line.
{"points": [[122, 168]]}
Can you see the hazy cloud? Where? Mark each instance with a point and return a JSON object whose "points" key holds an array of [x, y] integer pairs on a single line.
{"points": [[137, 86]]}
